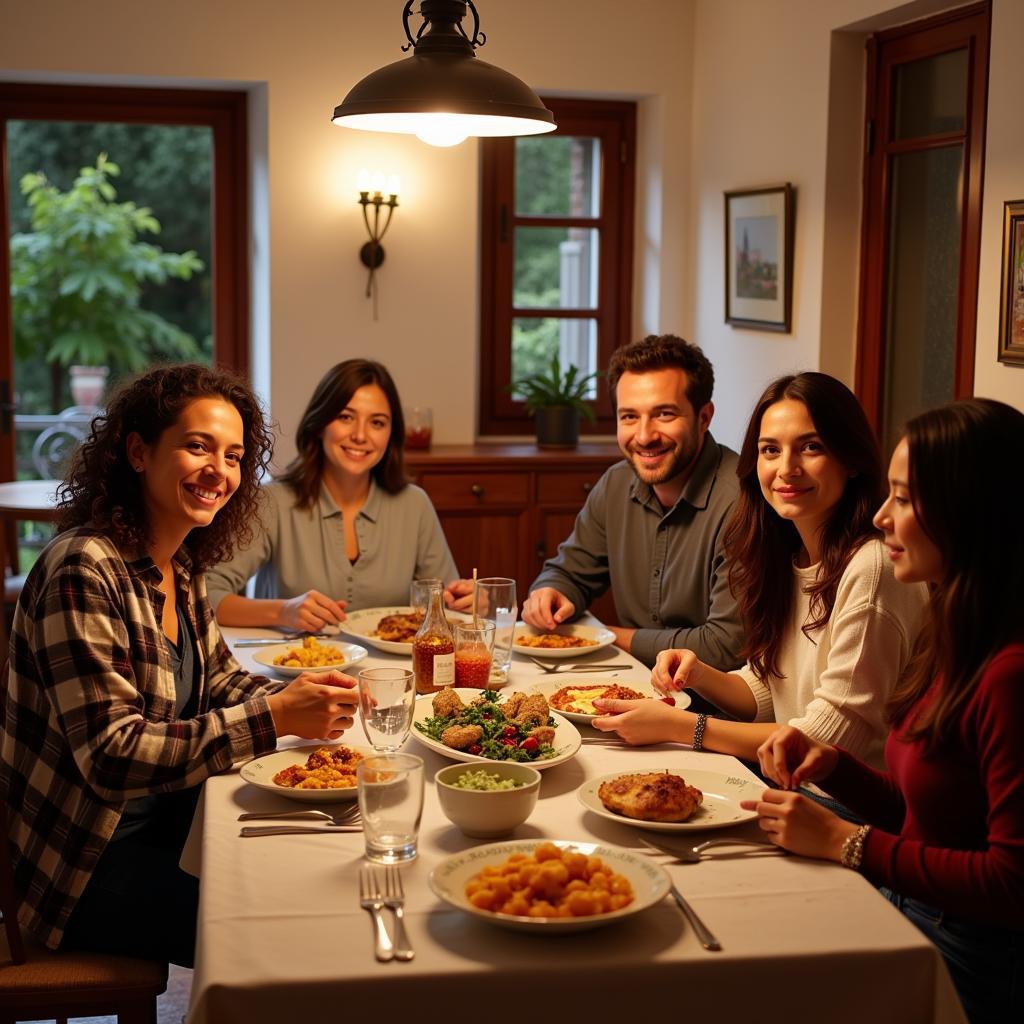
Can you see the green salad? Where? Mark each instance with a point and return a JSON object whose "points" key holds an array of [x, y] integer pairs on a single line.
{"points": [[483, 728]]}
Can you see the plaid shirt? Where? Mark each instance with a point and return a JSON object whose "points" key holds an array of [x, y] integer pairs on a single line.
{"points": [[88, 712]]}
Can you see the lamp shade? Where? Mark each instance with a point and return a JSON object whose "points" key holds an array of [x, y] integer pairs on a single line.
{"points": [[443, 92]]}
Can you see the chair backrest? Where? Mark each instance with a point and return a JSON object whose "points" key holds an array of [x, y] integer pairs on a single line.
{"points": [[8, 899]]}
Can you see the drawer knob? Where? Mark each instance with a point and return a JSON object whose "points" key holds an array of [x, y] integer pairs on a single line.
{"points": [[477, 490]]}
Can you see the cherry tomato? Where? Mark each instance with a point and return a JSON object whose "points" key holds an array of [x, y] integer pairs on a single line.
{"points": [[487, 717], [670, 701], [530, 744], [508, 741], [474, 748], [509, 731]]}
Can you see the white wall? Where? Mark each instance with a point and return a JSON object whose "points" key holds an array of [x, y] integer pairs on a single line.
{"points": [[307, 55], [765, 75]]}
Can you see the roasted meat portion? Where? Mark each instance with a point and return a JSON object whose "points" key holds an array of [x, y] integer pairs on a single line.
{"points": [[447, 703], [651, 796], [459, 737]]}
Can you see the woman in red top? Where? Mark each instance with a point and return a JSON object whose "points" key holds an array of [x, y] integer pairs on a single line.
{"points": [[945, 832]]}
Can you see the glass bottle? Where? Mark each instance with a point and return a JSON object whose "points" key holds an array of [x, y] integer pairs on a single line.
{"points": [[433, 648]]}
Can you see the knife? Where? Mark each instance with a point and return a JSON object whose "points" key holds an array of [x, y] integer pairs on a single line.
{"points": [[707, 940], [267, 641], [250, 831]]}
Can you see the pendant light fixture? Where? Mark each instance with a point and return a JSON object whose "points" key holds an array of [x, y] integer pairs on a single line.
{"points": [[443, 93]]}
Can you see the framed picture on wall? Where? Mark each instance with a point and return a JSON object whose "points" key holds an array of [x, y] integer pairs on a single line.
{"points": [[759, 258], [1011, 302]]}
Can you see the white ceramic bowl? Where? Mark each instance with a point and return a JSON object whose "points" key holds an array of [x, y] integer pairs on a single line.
{"points": [[486, 813]]}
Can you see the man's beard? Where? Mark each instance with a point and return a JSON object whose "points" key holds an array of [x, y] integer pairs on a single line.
{"points": [[679, 461]]}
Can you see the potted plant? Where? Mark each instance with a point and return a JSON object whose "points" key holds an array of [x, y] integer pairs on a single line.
{"points": [[557, 402]]}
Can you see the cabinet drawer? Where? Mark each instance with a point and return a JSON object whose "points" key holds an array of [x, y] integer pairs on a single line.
{"points": [[471, 490], [565, 488]]}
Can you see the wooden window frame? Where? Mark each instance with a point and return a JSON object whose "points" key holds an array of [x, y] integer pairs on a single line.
{"points": [[226, 113], [966, 26], [614, 122]]}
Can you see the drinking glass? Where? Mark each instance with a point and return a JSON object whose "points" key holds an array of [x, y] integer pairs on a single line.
{"points": [[419, 594], [391, 803], [496, 602], [473, 652], [386, 700], [419, 427]]}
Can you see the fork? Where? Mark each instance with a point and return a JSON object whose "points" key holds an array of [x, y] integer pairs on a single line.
{"points": [[562, 667], [371, 900], [394, 900], [693, 855], [347, 817]]}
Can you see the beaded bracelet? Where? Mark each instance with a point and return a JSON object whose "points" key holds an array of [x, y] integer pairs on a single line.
{"points": [[853, 848], [698, 732]]}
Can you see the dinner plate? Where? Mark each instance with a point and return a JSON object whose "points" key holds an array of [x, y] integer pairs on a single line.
{"points": [[567, 737], [362, 624], [721, 807], [448, 880], [603, 638], [352, 653], [260, 771], [587, 682]]}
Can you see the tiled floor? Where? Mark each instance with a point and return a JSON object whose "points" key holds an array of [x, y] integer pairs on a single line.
{"points": [[171, 1006]]}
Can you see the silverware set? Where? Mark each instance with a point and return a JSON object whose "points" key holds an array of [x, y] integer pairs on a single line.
{"points": [[310, 822], [374, 898], [270, 641], [561, 668]]}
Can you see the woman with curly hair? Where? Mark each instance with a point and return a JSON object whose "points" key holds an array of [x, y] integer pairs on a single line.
{"points": [[828, 630], [120, 696], [945, 825], [343, 527]]}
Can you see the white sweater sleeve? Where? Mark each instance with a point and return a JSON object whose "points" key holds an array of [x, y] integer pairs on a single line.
{"points": [[762, 694]]}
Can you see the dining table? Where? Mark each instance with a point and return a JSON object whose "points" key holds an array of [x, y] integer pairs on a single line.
{"points": [[282, 936]]}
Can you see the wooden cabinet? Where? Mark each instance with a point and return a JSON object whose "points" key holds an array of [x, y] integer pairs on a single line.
{"points": [[506, 508]]}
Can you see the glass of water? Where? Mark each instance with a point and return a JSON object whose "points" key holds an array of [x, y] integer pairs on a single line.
{"points": [[496, 602], [419, 594], [386, 700], [391, 803]]}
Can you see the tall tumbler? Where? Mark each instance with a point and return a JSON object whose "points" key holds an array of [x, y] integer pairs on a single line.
{"points": [[496, 602]]}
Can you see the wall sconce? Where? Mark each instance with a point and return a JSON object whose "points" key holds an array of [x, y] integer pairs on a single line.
{"points": [[371, 193]]}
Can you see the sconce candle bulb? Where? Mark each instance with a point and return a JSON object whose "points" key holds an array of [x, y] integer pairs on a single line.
{"points": [[371, 194]]}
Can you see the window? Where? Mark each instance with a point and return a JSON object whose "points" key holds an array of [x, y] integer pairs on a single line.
{"points": [[926, 108], [557, 262]]}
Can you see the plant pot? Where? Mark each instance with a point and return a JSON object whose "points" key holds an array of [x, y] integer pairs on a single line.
{"points": [[87, 385], [558, 426]]}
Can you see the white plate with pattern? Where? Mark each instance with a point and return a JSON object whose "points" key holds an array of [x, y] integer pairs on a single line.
{"points": [[351, 654], [363, 624], [599, 638], [260, 771], [720, 809], [587, 689], [649, 881]]}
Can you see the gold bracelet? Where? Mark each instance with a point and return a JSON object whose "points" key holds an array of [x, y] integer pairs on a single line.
{"points": [[853, 848]]}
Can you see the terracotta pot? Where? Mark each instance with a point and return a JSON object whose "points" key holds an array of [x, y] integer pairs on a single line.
{"points": [[558, 426]]}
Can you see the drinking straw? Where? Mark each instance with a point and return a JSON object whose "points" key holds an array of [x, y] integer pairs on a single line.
{"points": [[475, 626]]}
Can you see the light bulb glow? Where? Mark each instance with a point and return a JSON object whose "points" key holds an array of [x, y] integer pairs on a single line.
{"points": [[363, 181], [484, 126], [394, 184]]}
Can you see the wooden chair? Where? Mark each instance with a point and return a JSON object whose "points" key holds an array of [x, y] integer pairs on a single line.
{"points": [[38, 984]]}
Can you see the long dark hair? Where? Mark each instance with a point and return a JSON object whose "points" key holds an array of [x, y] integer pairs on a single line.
{"points": [[959, 478], [103, 491], [335, 390], [761, 545]]}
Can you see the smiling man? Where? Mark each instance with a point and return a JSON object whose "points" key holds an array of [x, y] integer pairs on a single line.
{"points": [[652, 525]]}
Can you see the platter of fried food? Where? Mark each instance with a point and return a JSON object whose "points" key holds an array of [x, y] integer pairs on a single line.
{"points": [[487, 725], [667, 800], [571, 641], [541, 882], [574, 699], [389, 629], [310, 655], [325, 773]]}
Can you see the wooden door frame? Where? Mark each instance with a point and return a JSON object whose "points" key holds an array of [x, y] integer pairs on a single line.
{"points": [[951, 30], [226, 113]]}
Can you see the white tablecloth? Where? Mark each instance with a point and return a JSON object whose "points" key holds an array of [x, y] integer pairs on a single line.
{"points": [[282, 936]]}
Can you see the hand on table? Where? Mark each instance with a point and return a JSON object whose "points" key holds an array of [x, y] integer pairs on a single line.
{"points": [[311, 611], [547, 608], [458, 595], [315, 706], [789, 757], [800, 825], [640, 722]]}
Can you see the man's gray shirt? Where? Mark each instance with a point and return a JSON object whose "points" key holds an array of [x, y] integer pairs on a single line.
{"points": [[667, 568]]}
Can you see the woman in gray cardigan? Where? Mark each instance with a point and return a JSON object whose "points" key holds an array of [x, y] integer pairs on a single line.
{"points": [[341, 526]]}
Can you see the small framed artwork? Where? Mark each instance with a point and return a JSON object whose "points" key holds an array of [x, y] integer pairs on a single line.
{"points": [[759, 258], [1011, 302]]}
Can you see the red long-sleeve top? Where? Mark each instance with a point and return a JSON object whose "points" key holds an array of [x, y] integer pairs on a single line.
{"points": [[949, 828]]}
